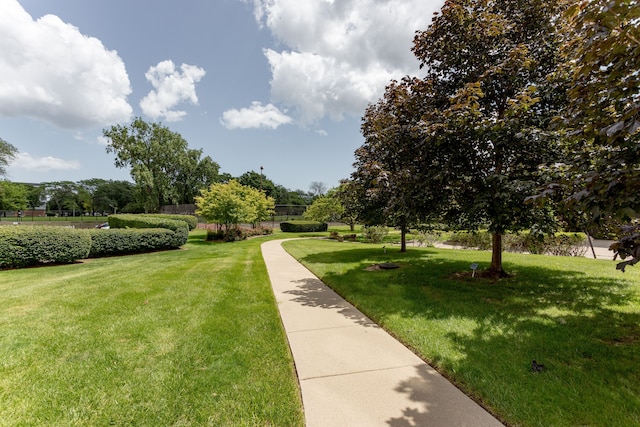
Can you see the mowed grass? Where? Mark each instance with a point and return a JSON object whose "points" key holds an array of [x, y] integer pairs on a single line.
{"points": [[184, 338], [579, 317]]}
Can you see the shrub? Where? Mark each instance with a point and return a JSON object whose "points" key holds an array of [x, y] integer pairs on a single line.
{"points": [[303, 226], [375, 234], [564, 244], [180, 228], [28, 246], [192, 221], [476, 240], [237, 233], [427, 238], [121, 241]]}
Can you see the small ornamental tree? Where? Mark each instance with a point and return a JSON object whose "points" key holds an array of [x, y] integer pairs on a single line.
{"points": [[324, 209], [231, 204]]}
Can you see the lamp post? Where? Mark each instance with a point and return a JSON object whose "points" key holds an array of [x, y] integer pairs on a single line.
{"points": [[261, 169]]}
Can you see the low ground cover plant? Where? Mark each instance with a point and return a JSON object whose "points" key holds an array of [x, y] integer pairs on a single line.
{"points": [[578, 317]]}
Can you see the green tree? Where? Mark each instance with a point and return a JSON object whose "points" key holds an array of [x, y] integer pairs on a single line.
{"points": [[601, 53], [61, 195], [162, 166], [90, 189], [391, 162], [348, 192], [35, 196], [325, 208], [488, 110], [231, 204], [13, 196], [7, 153], [115, 196]]}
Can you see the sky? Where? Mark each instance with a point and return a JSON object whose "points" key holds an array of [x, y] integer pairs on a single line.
{"points": [[277, 84]]}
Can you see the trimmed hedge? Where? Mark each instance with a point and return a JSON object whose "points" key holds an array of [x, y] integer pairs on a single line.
{"points": [[179, 228], [124, 241], [303, 226], [191, 220], [28, 246], [564, 244]]}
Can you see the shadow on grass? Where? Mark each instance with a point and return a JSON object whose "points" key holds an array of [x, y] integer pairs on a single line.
{"points": [[583, 327]]}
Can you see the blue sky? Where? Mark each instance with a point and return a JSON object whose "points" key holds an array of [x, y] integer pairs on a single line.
{"points": [[280, 84]]}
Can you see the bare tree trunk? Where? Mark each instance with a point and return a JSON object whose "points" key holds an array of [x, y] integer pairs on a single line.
{"points": [[496, 256]]}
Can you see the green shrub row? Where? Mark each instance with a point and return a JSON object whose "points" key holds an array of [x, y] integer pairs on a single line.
{"points": [[237, 233], [180, 228], [29, 246], [303, 226], [192, 221], [124, 241], [564, 244]]}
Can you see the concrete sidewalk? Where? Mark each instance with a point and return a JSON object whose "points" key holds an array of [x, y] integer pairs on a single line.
{"points": [[351, 372]]}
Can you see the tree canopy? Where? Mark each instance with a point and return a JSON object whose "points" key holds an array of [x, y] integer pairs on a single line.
{"points": [[230, 204], [466, 141], [163, 168], [7, 153]]}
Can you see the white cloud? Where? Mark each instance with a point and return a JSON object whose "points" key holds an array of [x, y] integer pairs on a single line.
{"points": [[50, 71], [43, 164], [340, 54], [256, 116], [172, 87]]}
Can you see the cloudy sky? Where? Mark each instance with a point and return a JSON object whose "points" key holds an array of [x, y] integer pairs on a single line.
{"points": [[280, 84]]}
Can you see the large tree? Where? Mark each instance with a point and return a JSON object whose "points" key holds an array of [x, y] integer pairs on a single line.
{"points": [[601, 51], [162, 165], [490, 103], [7, 153], [388, 163]]}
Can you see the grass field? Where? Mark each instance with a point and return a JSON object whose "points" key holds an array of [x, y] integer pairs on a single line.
{"points": [[185, 338], [579, 317]]}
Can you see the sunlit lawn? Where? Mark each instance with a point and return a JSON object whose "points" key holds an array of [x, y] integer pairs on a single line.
{"points": [[579, 317], [189, 337]]}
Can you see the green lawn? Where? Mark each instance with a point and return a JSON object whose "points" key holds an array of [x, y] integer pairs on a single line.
{"points": [[579, 317], [189, 337]]}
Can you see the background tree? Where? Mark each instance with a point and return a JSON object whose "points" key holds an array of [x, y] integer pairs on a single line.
{"points": [[389, 165], [35, 196], [13, 196], [90, 188], [116, 196], [490, 107], [195, 174], [62, 195], [348, 194], [7, 153], [231, 204], [317, 189], [161, 162], [325, 208]]}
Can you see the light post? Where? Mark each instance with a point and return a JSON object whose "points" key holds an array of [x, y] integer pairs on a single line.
{"points": [[261, 169]]}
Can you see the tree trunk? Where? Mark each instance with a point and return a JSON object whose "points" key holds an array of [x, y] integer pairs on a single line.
{"points": [[496, 257], [403, 239]]}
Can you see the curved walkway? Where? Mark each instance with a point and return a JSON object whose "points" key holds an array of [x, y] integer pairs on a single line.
{"points": [[351, 372]]}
